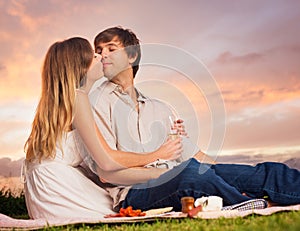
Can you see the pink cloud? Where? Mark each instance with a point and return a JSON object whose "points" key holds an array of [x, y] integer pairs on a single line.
{"points": [[228, 57], [252, 47], [237, 96], [2, 67], [10, 168], [264, 126]]}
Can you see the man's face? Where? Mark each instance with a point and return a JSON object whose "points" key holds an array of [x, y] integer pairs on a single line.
{"points": [[114, 58]]}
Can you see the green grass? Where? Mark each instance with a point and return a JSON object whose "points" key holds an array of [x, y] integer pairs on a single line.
{"points": [[279, 221], [15, 207]]}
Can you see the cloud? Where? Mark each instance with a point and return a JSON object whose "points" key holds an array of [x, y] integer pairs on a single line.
{"points": [[228, 58], [290, 157], [272, 125], [15, 122], [265, 76], [10, 168], [13, 136], [2, 67], [251, 48], [244, 97], [237, 96]]}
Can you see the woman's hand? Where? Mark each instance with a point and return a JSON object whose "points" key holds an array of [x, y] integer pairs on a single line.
{"points": [[170, 150], [95, 71]]}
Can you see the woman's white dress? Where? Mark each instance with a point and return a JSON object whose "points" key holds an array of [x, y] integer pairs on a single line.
{"points": [[58, 189]]}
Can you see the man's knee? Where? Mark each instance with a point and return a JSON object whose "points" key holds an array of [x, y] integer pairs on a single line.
{"points": [[196, 173]]}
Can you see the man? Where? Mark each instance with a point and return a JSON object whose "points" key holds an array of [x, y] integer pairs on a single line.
{"points": [[130, 121]]}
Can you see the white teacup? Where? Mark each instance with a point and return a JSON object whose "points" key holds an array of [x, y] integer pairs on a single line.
{"points": [[211, 203]]}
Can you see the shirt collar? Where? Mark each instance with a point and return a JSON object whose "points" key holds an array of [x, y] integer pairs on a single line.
{"points": [[112, 87], [140, 96]]}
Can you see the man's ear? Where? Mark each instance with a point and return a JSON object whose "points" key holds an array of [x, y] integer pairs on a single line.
{"points": [[132, 59]]}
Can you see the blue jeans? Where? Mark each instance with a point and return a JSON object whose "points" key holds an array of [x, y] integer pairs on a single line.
{"points": [[228, 181]]}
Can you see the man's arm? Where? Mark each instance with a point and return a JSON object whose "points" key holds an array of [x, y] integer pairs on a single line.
{"points": [[190, 149], [204, 158]]}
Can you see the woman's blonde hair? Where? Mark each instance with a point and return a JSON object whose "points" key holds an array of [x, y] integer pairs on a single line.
{"points": [[65, 67]]}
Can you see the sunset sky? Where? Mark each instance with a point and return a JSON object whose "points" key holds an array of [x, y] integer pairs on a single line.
{"points": [[251, 48]]}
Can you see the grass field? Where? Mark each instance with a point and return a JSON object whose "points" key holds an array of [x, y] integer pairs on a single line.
{"points": [[280, 221], [15, 207]]}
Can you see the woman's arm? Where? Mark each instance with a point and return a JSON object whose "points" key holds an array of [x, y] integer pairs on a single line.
{"points": [[84, 123], [130, 176], [170, 150], [106, 158]]}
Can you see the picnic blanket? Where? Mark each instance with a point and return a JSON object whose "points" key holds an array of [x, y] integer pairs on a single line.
{"points": [[8, 223]]}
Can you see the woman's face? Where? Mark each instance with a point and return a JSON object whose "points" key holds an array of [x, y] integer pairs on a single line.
{"points": [[95, 71]]}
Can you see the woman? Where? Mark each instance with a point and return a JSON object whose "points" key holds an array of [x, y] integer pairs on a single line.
{"points": [[54, 185]]}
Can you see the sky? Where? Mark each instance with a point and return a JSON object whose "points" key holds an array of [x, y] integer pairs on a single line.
{"points": [[250, 49]]}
